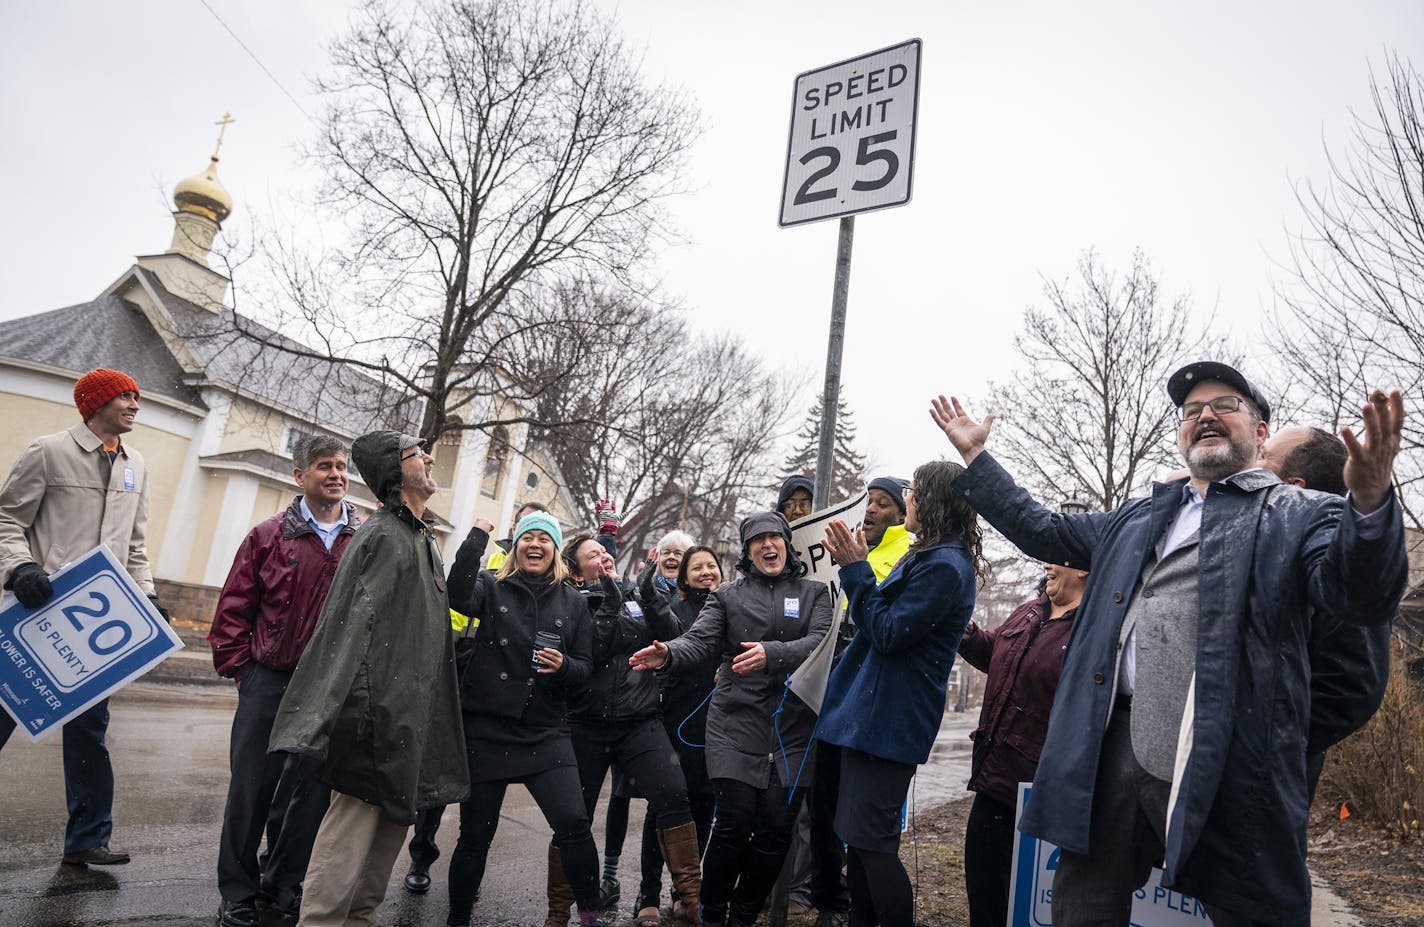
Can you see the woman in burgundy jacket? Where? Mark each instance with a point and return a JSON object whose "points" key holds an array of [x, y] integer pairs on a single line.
{"points": [[1023, 657]]}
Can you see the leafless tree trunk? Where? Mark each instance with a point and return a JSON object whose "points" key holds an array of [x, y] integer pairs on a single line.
{"points": [[498, 163], [1351, 315], [1086, 415]]}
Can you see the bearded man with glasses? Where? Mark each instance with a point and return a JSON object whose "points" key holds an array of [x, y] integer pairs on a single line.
{"points": [[1178, 730]]}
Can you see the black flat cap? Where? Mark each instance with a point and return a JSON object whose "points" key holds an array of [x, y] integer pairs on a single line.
{"points": [[1181, 383]]}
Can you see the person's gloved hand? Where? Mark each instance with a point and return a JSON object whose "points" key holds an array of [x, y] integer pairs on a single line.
{"points": [[606, 511], [646, 590], [30, 583], [160, 609]]}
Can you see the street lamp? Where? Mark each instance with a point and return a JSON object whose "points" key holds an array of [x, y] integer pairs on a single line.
{"points": [[1074, 506]]}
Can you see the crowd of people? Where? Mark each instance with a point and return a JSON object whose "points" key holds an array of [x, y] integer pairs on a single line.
{"points": [[1169, 691]]}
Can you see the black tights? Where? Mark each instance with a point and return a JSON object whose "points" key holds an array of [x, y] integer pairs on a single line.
{"points": [[556, 792], [880, 891]]}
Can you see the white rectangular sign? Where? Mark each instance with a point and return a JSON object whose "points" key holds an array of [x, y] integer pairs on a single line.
{"points": [[852, 141], [98, 633], [808, 537]]}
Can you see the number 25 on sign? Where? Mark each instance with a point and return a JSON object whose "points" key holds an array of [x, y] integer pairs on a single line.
{"points": [[852, 139]]}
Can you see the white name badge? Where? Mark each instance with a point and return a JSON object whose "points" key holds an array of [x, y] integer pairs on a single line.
{"points": [[792, 608], [128, 479], [634, 609]]}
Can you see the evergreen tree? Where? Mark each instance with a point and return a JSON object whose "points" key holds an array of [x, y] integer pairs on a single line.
{"points": [[847, 463]]}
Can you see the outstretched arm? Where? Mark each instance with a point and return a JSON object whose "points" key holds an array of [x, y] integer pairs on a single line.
{"points": [[967, 435], [1369, 468]]}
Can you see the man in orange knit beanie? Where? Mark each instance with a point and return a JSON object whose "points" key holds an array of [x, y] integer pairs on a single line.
{"points": [[68, 493]]}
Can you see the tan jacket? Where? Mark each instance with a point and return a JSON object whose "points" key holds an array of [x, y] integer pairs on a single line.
{"points": [[56, 505]]}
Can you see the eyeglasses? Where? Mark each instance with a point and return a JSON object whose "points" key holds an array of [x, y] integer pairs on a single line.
{"points": [[1221, 405], [908, 491], [415, 451]]}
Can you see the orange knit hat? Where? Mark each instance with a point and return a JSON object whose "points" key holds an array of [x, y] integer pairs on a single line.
{"points": [[97, 387]]}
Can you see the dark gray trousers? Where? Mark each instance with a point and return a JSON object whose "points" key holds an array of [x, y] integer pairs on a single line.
{"points": [[267, 792], [1125, 838]]}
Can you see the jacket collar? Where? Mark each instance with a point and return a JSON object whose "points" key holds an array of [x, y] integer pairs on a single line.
{"points": [[893, 535], [294, 524], [88, 441]]}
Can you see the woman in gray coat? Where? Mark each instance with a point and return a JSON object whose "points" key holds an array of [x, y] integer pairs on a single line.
{"points": [[764, 625]]}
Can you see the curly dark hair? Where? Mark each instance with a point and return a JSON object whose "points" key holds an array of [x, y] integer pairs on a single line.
{"points": [[682, 585], [945, 515]]}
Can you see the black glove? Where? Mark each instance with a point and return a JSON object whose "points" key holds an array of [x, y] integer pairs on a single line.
{"points": [[646, 590], [163, 612], [30, 583]]}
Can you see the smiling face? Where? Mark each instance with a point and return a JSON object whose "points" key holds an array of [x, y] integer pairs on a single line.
{"points": [[116, 417], [881, 512], [1216, 445], [534, 552], [703, 571], [669, 559], [324, 481], [416, 478], [768, 553], [592, 561], [1065, 586]]}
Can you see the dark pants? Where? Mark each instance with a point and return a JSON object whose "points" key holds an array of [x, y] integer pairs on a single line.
{"points": [[880, 892], [556, 791], [641, 750], [423, 851], [267, 791], [750, 836], [650, 889], [88, 777], [1126, 835], [828, 859], [988, 861]]}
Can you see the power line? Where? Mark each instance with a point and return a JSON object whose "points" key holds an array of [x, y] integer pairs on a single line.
{"points": [[253, 55]]}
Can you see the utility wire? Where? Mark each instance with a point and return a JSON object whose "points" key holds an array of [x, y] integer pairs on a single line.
{"points": [[253, 55]]}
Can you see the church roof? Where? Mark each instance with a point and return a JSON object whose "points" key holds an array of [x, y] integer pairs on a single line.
{"points": [[261, 362], [105, 332]]}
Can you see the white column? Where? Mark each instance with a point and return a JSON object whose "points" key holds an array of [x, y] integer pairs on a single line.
{"points": [[182, 529], [232, 526]]}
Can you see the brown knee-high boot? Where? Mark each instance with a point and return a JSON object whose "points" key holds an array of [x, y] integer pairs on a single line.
{"points": [[561, 893], [679, 846]]}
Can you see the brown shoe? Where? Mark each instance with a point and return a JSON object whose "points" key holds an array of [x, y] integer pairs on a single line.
{"points": [[96, 856], [679, 846]]}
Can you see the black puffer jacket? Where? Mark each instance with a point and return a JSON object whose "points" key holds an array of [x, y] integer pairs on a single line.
{"points": [[622, 623]]}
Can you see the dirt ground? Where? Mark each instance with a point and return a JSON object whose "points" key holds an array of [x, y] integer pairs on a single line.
{"points": [[1383, 878]]}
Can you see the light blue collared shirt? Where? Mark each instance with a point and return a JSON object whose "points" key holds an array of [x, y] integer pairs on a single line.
{"points": [[327, 533]]}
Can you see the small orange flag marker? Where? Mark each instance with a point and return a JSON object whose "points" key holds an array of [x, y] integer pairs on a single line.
{"points": [[1344, 812]]}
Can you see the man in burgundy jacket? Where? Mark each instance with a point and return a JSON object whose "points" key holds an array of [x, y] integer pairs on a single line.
{"points": [[266, 614], [1023, 657]]}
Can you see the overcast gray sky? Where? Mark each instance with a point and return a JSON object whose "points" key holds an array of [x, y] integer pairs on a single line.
{"points": [[1044, 129]]}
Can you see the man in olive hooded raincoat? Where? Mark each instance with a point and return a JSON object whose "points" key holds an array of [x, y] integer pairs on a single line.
{"points": [[373, 706]]}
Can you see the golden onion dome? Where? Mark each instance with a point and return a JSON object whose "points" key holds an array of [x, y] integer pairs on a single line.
{"points": [[203, 194]]}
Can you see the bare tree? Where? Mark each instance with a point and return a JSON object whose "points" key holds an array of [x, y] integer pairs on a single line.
{"points": [[679, 430], [1085, 415], [1351, 315], [492, 159]]}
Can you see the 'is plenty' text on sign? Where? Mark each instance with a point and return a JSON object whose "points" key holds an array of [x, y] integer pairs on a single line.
{"points": [[852, 139]]}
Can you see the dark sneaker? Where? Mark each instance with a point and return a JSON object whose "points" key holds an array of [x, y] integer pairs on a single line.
{"points": [[609, 891], [238, 914], [96, 856]]}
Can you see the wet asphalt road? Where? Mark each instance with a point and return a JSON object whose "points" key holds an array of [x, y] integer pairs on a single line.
{"points": [[169, 747]]}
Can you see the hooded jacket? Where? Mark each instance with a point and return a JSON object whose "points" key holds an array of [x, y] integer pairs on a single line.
{"points": [[1269, 553], [754, 723], [622, 624], [373, 705]]}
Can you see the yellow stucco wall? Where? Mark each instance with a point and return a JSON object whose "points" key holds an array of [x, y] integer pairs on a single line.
{"points": [[269, 502], [251, 427], [25, 418], [203, 541]]}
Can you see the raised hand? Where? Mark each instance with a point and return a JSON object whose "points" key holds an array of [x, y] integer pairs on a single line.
{"points": [[654, 656], [843, 546], [967, 435], [1369, 468]]}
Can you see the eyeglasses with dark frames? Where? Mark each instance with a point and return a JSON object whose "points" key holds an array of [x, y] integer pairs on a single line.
{"points": [[1221, 405]]}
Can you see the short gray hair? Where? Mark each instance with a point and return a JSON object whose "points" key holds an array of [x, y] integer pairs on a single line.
{"points": [[313, 447], [676, 539]]}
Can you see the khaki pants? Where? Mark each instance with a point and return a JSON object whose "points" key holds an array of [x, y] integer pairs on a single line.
{"points": [[351, 863]]}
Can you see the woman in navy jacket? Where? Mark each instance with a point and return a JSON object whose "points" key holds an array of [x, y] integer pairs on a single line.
{"points": [[886, 697]]}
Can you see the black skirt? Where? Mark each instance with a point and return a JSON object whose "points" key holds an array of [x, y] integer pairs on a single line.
{"points": [[503, 749], [872, 795]]}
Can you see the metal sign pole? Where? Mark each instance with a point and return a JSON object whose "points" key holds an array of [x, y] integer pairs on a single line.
{"points": [[830, 397]]}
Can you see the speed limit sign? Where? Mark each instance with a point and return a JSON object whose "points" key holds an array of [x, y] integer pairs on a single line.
{"points": [[852, 142]]}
